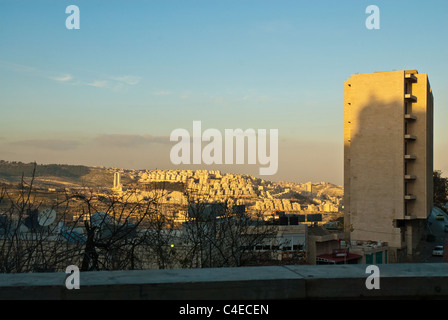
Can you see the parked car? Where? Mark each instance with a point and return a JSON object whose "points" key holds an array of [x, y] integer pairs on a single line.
{"points": [[445, 228], [437, 251], [440, 216]]}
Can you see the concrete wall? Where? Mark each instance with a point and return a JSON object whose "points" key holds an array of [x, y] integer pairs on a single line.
{"points": [[374, 164], [317, 245], [408, 281], [374, 118], [422, 147]]}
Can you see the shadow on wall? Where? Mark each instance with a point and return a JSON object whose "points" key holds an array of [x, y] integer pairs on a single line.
{"points": [[375, 166]]}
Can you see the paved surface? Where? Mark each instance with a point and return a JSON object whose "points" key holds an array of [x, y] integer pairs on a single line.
{"points": [[435, 227]]}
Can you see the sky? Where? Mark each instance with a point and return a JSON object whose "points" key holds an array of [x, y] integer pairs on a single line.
{"points": [[111, 92]]}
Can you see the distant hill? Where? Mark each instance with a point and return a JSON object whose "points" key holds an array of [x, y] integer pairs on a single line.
{"points": [[64, 175], [12, 171]]}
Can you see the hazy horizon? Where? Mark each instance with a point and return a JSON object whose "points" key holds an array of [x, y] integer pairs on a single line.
{"points": [[110, 93]]}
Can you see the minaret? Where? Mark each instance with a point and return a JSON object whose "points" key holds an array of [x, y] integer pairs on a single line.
{"points": [[117, 182]]}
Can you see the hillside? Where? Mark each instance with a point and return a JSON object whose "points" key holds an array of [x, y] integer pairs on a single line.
{"points": [[63, 175], [55, 174]]}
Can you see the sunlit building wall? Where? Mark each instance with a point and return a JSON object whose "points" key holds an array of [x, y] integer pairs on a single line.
{"points": [[388, 158]]}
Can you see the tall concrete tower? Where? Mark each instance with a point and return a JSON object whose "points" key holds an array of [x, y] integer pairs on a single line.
{"points": [[117, 181], [388, 158]]}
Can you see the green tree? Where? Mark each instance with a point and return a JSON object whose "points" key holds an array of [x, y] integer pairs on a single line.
{"points": [[440, 188]]}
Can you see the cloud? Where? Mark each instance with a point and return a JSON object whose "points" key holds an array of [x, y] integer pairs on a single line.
{"points": [[128, 79], [97, 80], [17, 67], [49, 144], [63, 78], [98, 84], [115, 83], [161, 93], [102, 80], [129, 140]]}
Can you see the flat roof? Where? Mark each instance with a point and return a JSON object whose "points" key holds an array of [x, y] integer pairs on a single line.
{"points": [[331, 258]]}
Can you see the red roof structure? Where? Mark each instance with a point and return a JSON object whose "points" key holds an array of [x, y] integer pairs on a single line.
{"points": [[338, 256]]}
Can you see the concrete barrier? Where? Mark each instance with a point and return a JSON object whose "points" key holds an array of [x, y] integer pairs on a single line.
{"points": [[396, 281]]}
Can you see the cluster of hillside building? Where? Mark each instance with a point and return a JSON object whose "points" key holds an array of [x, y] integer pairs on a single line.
{"points": [[294, 206], [256, 194], [212, 182]]}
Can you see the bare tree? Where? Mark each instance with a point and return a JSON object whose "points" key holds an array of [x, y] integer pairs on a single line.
{"points": [[125, 231], [25, 244], [96, 233], [115, 227], [223, 235]]}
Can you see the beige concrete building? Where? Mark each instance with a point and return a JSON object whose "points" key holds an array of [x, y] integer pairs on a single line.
{"points": [[388, 158]]}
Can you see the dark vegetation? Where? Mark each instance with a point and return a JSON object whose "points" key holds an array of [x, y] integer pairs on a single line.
{"points": [[11, 170]]}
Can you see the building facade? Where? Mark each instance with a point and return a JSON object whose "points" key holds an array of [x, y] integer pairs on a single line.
{"points": [[388, 158]]}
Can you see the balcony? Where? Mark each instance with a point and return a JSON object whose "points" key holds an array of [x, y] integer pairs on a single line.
{"points": [[410, 77], [409, 177], [410, 137], [409, 157], [410, 97], [409, 197], [409, 116]]}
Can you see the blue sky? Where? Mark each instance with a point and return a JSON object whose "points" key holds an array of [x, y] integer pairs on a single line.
{"points": [[108, 93]]}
